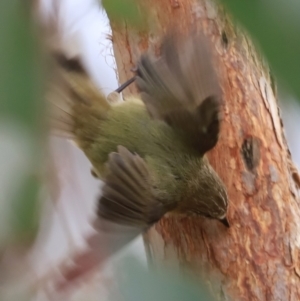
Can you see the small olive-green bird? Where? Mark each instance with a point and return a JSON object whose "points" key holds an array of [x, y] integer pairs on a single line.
{"points": [[149, 149]]}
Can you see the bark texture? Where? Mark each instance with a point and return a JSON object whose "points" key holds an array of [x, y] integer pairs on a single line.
{"points": [[258, 258]]}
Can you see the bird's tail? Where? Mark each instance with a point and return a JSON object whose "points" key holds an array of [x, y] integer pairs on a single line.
{"points": [[76, 106]]}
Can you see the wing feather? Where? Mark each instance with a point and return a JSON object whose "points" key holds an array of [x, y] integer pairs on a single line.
{"points": [[181, 88], [128, 197]]}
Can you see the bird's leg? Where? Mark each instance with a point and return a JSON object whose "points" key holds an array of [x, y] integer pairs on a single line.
{"points": [[125, 85]]}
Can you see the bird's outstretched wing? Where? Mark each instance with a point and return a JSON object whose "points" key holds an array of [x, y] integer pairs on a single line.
{"points": [[181, 88], [127, 197]]}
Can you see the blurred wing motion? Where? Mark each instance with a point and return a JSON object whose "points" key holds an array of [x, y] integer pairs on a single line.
{"points": [[127, 195], [72, 97], [75, 104], [126, 209], [182, 89], [127, 206]]}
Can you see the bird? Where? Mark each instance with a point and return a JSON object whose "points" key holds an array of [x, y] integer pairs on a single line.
{"points": [[150, 149]]}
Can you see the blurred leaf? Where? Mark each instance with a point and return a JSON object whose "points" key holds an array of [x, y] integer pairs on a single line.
{"points": [[26, 213], [125, 11], [18, 189], [137, 282], [20, 79], [21, 84], [275, 24]]}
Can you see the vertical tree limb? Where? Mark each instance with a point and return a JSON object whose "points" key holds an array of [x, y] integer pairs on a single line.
{"points": [[258, 258]]}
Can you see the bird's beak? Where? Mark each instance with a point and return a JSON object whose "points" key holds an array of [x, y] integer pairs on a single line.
{"points": [[225, 222]]}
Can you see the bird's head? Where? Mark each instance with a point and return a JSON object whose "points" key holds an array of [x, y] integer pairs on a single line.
{"points": [[208, 196]]}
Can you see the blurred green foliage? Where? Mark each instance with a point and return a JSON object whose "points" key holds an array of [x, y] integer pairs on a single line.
{"points": [[136, 283], [275, 24], [125, 11], [21, 85], [26, 215], [20, 79]]}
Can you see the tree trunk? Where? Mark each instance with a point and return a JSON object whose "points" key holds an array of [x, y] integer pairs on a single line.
{"points": [[258, 258]]}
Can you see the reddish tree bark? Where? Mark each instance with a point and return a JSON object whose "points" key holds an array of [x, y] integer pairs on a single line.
{"points": [[258, 258]]}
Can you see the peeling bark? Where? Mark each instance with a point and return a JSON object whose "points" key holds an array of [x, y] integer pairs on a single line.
{"points": [[258, 258]]}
